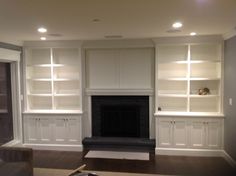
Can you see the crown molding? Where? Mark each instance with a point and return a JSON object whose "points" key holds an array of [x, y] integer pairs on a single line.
{"points": [[230, 34]]}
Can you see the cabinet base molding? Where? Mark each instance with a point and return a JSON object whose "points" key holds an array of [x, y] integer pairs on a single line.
{"points": [[229, 159], [77, 148], [188, 152]]}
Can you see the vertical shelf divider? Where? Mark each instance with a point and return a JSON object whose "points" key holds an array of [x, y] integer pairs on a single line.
{"points": [[188, 78], [52, 79]]}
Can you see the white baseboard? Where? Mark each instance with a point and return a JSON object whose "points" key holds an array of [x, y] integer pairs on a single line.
{"points": [[12, 143], [229, 159], [77, 148], [188, 152]]}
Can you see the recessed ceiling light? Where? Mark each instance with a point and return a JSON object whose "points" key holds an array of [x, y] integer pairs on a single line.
{"points": [[43, 38], [96, 20], [193, 33], [177, 25], [42, 30]]}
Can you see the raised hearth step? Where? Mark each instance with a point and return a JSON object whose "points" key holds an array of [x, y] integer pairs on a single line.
{"points": [[118, 143]]}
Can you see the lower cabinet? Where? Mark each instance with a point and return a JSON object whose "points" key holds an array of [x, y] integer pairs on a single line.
{"points": [[66, 130], [52, 129], [206, 134], [172, 132], [177, 132]]}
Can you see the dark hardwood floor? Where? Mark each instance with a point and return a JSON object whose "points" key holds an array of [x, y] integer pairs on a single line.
{"points": [[166, 165]]}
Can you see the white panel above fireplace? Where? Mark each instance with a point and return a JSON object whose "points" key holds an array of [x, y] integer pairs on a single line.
{"points": [[120, 68]]}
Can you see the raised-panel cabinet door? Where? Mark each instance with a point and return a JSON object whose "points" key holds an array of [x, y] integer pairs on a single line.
{"points": [[214, 134], [179, 133], [165, 137], [197, 134], [73, 130], [60, 130], [45, 130], [31, 130], [136, 68], [102, 67]]}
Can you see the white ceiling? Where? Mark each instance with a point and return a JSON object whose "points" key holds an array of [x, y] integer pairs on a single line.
{"points": [[73, 19]]}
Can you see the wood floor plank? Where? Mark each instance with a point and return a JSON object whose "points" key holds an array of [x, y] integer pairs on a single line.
{"points": [[170, 165]]}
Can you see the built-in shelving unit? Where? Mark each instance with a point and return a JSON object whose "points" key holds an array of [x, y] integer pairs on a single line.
{"points": [[184, 69], [53, 80]]}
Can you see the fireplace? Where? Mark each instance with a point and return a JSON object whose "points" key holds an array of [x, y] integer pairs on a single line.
{"points": [[120, 116]]}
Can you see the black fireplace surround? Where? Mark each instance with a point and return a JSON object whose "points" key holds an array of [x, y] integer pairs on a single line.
{"points": [[120, 116]]}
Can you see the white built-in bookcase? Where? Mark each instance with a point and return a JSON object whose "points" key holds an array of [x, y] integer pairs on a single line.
{"points": [[183, 69], [53, 79]]}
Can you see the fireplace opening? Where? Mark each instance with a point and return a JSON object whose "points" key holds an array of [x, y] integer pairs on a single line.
{"points": [[120, 116], [120, 121]]}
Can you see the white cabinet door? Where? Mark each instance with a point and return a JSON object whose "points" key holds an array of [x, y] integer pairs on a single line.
{"points": [[214, 137], [73, 130], [37, 130], [60, 130], [165, 133], [67, 130], [136, 68], [197, 134], [102, 68], [45, 130], [30, 130], [180, 133]]}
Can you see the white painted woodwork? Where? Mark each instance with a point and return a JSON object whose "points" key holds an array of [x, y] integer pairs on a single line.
{"points": [[179, 133], [52, 129], [73, 129], [38, 130], [197, 134], [214, 132], [129, 68], [189, 133], [53, 79], [184, 68], [165, 133], [60, 130], [136, 68], [171, 132], [102, 68]]}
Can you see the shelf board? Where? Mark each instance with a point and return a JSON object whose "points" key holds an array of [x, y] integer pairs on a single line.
{"points": [[66, 95], [203, 96], [191, 62], [39, 65], [204, 61], [173, 95], [40, 95], [39, 79], [174, 62], [66, 79], [173, 79], [181, 114], [53, 112], [202, 79]]}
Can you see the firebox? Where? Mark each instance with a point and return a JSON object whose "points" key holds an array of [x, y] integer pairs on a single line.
{"points": [[120, 116]]}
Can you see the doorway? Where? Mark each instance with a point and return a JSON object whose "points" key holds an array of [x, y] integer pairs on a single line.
{"points": [[6, 116]]}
